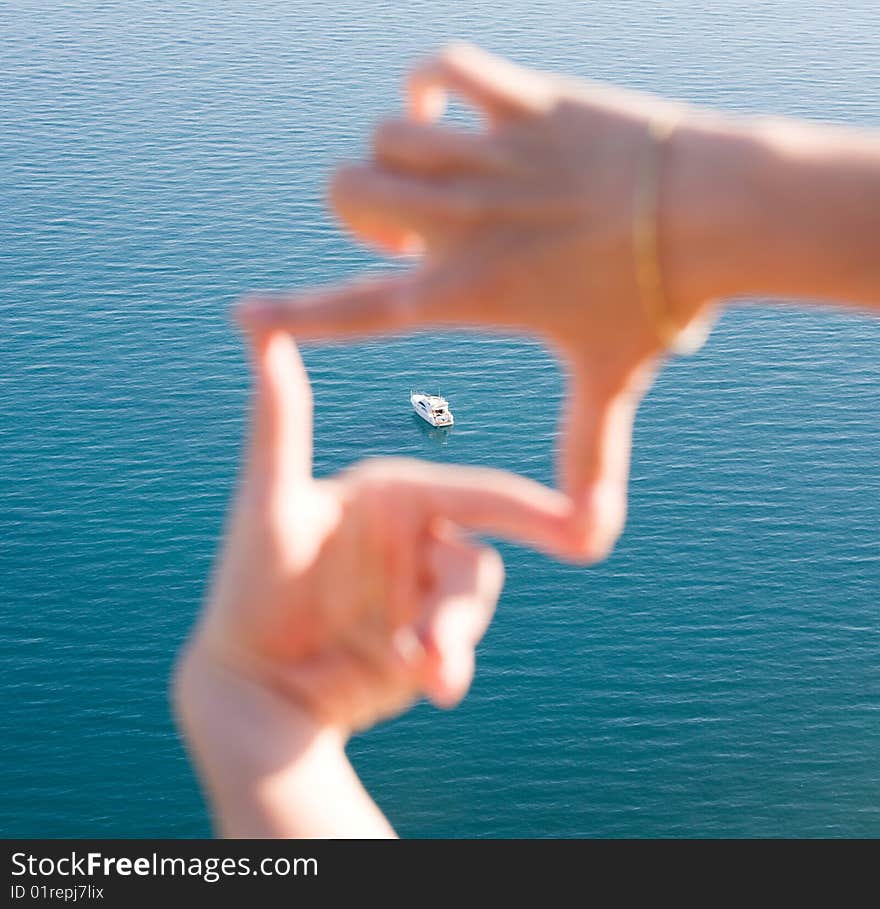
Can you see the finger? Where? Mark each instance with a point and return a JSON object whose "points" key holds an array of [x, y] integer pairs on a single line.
{"points": [[359, 308], [387, 239], [374, 202], [482, 499], [495, 86], [468, 580], [435, 151], [382, 207], [281, 422], [391, 570], [447, 679], [438, 295], [404, 574], [368, 198], [597, 427], [463, 571]]}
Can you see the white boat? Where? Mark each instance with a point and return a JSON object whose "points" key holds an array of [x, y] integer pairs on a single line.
{"points": [[432, 409]]}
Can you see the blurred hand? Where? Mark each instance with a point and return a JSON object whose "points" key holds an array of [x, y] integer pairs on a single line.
{"points": [[525, 225], [349, 597]]}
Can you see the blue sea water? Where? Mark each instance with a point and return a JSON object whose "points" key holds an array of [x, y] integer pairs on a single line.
{"points": [[719, 675]]}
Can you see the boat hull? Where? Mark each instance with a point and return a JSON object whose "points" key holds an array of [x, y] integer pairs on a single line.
{"points": [[430, 422]]}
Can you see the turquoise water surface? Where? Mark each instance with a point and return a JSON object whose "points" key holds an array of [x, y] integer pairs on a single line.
{"points": [[719, 675]]}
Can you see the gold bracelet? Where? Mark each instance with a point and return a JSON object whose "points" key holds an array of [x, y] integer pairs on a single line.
{"points": [[680, 339]]}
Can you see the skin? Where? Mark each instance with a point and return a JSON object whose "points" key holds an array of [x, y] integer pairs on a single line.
{"points": [[526, 225], [335, 604]]}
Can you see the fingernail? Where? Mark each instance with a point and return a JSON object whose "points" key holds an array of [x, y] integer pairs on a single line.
{"points": [[407, 648]]}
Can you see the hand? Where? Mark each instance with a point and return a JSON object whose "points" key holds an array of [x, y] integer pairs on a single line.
{"points": [[526, 226], [349, 597]]}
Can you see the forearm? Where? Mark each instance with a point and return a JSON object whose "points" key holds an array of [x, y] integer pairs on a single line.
{"points": [[776, 208], [268, 770]]}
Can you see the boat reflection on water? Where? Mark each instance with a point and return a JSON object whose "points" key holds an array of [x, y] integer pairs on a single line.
{"points": [[439, 435]]}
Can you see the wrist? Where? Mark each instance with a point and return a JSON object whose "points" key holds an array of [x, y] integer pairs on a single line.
{"points": [[710, 209], [237, 730], [269, 768]]}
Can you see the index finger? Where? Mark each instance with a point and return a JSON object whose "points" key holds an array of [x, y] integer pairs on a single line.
{"points": [[488, 501], [358, 308], [376, 305]]}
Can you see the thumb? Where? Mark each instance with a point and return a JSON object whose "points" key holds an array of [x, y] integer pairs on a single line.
{"points": [[467, 579], [281, 416], [500, 89], [595, 458]]}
